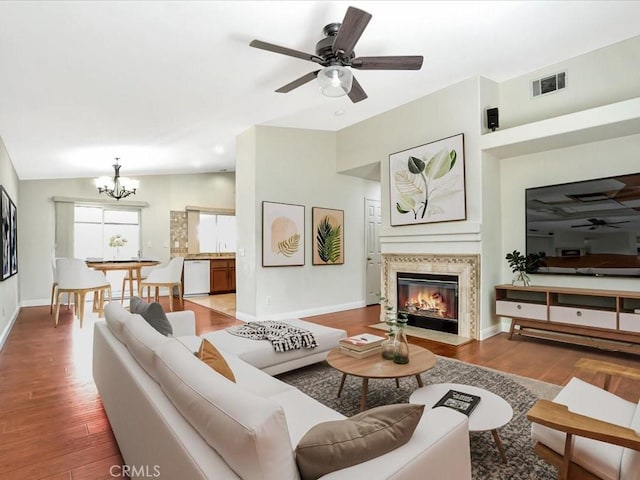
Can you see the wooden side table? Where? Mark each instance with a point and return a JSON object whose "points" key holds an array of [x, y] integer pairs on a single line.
{"points": [[420, 360]]}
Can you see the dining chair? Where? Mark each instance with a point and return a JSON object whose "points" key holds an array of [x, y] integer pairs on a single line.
{"points": [[75, 278], [168, 276]]}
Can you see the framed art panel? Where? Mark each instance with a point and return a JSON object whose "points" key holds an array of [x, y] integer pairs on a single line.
{"points": [[13, 240], [427, 184], [5, 241], [328, 236], [282, 234]]}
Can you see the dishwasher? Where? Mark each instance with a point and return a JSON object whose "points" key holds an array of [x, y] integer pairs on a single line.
{"points": [[196, 277]]}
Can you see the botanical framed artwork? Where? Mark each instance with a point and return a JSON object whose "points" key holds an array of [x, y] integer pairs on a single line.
{"points": [[282, 234], [427, 184], [328, 236], [9, 235]]}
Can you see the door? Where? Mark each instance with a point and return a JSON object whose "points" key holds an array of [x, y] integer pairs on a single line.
{"points": [[373, 220]]}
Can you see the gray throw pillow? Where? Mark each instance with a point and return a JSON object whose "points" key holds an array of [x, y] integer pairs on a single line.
{"points": [[338, 444], [153, 313]]}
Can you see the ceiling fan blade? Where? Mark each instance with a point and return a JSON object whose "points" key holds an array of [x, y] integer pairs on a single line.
{"points": [[270, 47], [356, 94], [410, 62], [353, 24], [298, 82]]}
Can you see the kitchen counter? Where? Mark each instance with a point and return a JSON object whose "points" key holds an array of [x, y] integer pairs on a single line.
{"points": [[209, 256]]}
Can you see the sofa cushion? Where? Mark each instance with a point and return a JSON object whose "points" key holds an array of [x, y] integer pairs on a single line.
{"points": [[114, 315], [334, 445], [248, 431], [212, 357], [141, 339], [152, 313], [581, 397], [630, 466]]}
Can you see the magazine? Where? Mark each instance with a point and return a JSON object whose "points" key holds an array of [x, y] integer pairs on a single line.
{"points": [[460, 401], [363, 341]]}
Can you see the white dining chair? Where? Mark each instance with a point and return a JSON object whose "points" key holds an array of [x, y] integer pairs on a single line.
{"points": [[144, 274], [75, 278], [168, 276]]}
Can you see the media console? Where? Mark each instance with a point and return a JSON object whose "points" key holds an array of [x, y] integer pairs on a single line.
{"points": [[606, 319]]}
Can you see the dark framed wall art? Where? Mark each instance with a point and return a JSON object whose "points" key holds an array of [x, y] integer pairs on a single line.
{"points": [[282, 234], [328, 236], [427, 184], [9, 240]]}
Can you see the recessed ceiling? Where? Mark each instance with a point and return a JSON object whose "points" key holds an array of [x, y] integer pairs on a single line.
{"points": [[167, 86]]}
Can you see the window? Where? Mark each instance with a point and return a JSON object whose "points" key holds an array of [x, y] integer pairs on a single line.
{"points": [[97, 231], [217, 233]]}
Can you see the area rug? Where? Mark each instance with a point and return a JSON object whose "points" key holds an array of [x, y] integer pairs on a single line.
{"points": [[428, 334], [321, 382]]}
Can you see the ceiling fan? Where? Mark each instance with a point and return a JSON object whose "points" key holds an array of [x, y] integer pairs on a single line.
{"points": [[335, 53], [595, 223]]}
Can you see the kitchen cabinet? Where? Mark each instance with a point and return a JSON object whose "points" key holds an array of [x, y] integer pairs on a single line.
{"points": [[222, 276]]}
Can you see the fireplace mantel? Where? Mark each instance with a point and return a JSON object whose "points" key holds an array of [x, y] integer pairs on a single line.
{"points": [[465, 267]]}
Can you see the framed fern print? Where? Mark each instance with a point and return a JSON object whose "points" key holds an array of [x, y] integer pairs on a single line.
{"points": [[282, 235], [328, 236], [426, 183]]}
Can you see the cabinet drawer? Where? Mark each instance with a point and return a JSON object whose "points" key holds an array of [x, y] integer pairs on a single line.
{"points": [[630, 322], [583, 317], [222, 263], [521, 310]]}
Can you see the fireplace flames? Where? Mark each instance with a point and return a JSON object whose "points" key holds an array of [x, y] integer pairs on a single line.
{"points": [[428, 302]]}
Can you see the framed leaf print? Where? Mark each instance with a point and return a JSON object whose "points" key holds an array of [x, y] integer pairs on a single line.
{"points": [[426, 183], [282, 234], [328, 236]]}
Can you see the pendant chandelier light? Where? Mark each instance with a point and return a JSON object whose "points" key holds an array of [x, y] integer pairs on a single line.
{"points": [[117, 187]]}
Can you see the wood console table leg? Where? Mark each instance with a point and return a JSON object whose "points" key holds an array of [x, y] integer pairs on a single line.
{"points": [[513, 324], [363, 398], [496, 437], [344, 377]]}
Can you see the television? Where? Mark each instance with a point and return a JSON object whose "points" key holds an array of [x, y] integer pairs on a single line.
{"points": [[589, 227]]}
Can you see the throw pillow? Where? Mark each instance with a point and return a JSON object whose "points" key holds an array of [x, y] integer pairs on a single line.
{"points": [[210, 355], [338, 444], [153, 313]]}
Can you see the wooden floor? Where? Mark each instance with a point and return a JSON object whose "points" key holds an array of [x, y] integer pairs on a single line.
{"points": [[53, 426]]}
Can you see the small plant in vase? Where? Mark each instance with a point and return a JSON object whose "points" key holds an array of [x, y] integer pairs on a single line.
{"points": [[521, 266], [390, 320], [117, 241]]}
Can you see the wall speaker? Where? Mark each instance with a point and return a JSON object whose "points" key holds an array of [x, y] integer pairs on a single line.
{"points": [[492, 119]]}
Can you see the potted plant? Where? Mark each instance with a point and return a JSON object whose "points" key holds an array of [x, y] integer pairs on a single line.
{"points": [[522, 265]]}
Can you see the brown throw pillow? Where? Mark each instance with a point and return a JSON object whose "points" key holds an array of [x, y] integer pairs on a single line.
{"points": [[212, 357], [338, 444]]}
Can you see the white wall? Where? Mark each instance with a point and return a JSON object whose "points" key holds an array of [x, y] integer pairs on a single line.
{"points": [[162, 192], [597, 78], [9, 289], [299, 167], [593, 160]]}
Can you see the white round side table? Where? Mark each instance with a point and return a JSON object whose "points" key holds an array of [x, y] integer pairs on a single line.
{"points": [[491, 413]]}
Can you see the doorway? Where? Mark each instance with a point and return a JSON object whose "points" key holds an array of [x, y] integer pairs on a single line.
{"points": [[373, 221]]}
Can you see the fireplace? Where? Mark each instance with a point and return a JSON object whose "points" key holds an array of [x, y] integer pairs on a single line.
{"points": [[444, 270], [428, 300]]}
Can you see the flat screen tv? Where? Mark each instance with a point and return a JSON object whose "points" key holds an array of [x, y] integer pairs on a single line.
{"points": [[590, 227]]}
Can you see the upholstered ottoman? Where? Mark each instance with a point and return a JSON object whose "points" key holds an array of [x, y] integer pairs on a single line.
{"points": [[261, 354]]}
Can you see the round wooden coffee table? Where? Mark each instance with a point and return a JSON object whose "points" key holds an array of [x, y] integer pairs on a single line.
{"points": [[420, 360]]}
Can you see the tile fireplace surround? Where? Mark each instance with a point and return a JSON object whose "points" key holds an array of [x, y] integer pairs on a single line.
{"points": [[465, 267]]}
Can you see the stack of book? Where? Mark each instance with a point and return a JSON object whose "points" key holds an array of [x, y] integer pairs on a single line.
{"points": [[361, 346]]}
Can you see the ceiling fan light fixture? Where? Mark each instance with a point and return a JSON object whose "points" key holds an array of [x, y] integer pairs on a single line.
{"points": [[335, 81]]}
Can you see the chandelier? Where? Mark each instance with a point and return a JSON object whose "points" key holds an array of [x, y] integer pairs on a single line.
{"points": [[117, 187]]}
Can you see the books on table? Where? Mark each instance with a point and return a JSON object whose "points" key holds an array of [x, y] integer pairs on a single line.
{"points": [[377, 350], [361, 342], [460, 401]]}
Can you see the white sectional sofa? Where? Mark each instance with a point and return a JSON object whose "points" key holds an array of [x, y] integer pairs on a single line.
{"points": [[175, 416]]}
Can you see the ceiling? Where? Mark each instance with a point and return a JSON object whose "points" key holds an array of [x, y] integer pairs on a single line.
{"points": [[167, 86]]}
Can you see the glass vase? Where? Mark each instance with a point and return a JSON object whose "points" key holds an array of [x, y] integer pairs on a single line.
{"points": [[521, 279], [387, 344], [400, 345]]}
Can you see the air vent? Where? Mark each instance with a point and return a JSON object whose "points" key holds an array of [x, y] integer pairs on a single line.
{"points": [[550, 84]]}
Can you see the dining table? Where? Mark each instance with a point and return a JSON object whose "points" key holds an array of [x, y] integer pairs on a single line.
{"points": [[131, 266]]}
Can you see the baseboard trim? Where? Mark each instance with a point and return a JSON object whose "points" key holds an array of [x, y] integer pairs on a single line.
{"points": [[7, 329]]}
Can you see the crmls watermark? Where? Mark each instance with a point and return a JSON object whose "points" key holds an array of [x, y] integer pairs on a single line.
{"points": [[137, 471]]}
